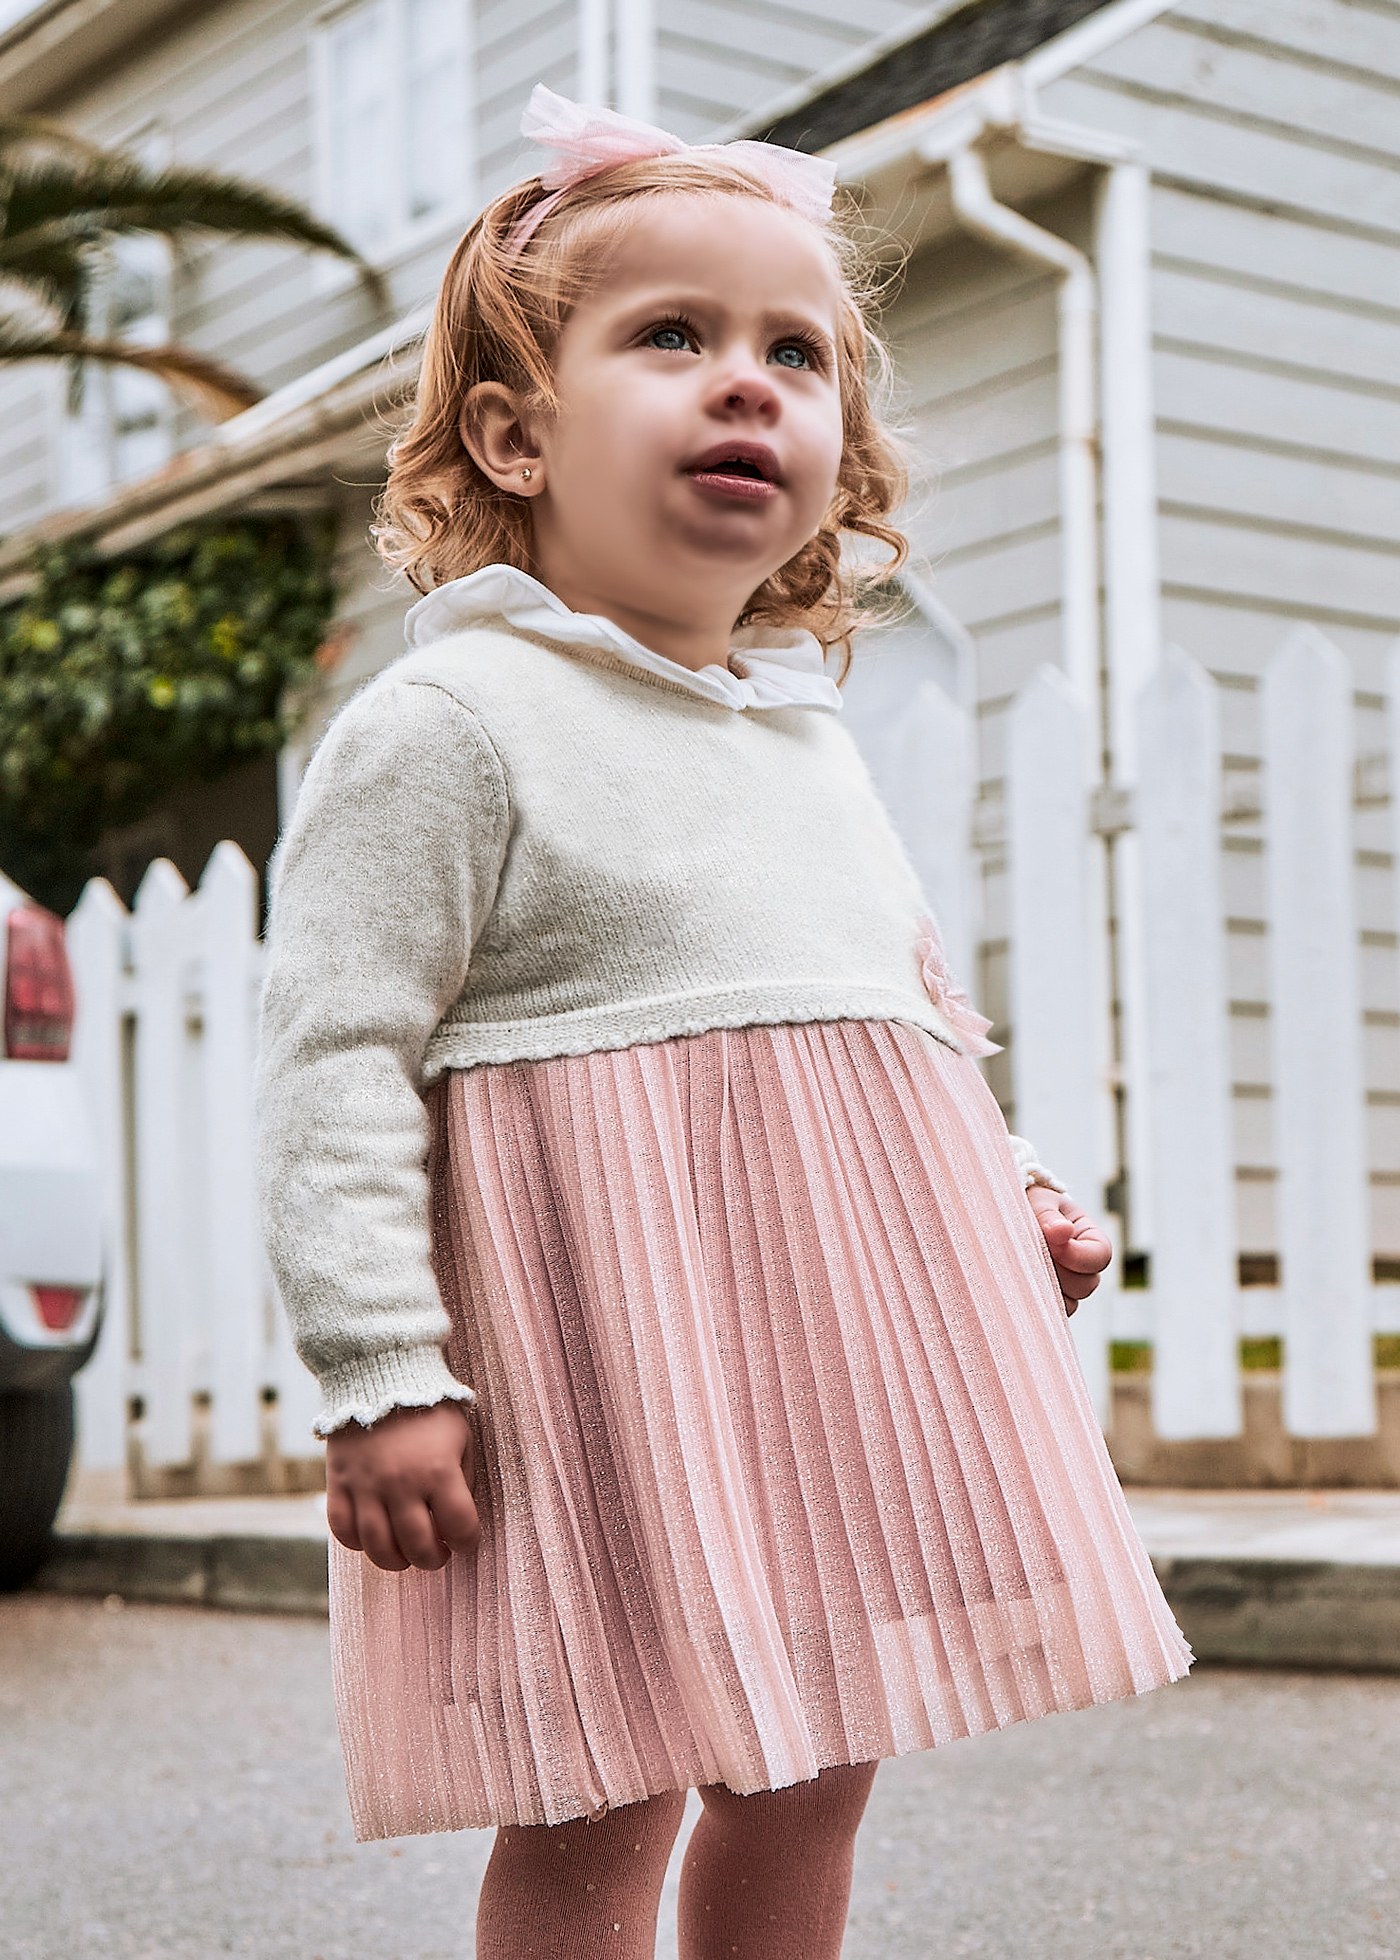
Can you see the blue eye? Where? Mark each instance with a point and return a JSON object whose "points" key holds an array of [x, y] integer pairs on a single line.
{"points": [[671, 326], [811, 349]]}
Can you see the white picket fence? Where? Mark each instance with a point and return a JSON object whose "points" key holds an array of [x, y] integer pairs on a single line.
{"points": [[195, 1365], [196, 1375]]}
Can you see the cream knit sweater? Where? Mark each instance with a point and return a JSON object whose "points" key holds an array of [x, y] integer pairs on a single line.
{"points": [[512, 846]]}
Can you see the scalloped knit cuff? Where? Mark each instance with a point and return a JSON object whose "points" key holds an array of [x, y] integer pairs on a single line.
{"points": [[398, 1378], [1037, 1174]]}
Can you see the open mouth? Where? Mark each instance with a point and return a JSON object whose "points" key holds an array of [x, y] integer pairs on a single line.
{"points": [[734, 466], [746, 463], [746, 474]]}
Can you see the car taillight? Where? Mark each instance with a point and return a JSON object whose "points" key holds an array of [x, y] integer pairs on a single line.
{"points": [[58, 1305], [38, 988]]}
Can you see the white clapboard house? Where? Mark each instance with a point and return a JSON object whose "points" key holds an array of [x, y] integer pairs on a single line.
{"points": [[1137, 724]]}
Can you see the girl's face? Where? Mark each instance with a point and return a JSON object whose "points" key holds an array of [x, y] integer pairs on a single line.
{"points": [[713, 329]]}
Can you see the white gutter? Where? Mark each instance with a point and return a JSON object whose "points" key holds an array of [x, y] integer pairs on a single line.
{"points": [[1087, 38]]}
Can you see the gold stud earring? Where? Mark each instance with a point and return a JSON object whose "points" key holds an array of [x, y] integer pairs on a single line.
{"points": [[527, 474]]}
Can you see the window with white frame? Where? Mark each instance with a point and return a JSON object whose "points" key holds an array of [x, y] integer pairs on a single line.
{"points": [[394, 120], [125, 424]]}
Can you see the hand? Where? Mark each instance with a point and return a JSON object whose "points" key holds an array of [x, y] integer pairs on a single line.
{"points": [[1077, 1246], [401, 1490]]}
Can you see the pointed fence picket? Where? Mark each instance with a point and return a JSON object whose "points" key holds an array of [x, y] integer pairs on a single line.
{"points": [[196, 1379], [228, 899], [1058, 1023], [96, 936], [1196, 1390], [1318, 1066], [167, 1314], [924, 760], [195, 1371]]}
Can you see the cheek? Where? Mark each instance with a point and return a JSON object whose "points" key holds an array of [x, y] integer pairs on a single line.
{"points": [[618, 435], [826, 444]]}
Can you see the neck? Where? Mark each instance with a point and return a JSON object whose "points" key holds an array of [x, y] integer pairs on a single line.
{"points": [[699, 641]]}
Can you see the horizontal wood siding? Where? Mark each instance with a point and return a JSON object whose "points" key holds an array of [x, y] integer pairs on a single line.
{"points": [[1273, 135], [518, 46], [25, 464], [719, 59]]}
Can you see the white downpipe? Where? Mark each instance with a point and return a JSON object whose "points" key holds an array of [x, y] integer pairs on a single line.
{"points": [[1132, 607], [1132, 586], [636, 58], [979, 212], [594, 26]]}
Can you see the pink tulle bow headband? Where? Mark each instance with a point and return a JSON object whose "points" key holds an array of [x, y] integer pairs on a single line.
{"points": [[586, 141]]}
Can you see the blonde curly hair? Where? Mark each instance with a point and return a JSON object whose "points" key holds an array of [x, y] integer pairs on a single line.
{"points": [[498, 317]]}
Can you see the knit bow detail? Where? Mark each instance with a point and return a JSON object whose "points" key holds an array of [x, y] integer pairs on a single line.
{"points": [[947, 996]]}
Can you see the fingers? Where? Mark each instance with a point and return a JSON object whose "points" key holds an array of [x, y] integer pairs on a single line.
{"points": [[400, 1491], [454, 1512], [340, 1516], [1075, 1287], [1088, 1252], [1078, 1249], [376, 1534], [1076, 1243], [404, 1531], [415, 1533]]}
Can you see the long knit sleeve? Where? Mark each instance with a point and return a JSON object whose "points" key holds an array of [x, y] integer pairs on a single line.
{"points": [[379, 888]]}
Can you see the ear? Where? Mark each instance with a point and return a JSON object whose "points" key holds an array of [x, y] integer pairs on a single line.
{"points": [[497, 440]]}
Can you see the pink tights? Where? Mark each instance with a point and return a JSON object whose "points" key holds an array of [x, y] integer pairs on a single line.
{"points": [[765, 1877]]}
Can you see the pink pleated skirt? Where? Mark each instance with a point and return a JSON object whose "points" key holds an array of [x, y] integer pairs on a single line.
{"points": [[785, 1458]]}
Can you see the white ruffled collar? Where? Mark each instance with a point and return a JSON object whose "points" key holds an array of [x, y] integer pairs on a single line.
{"points": [[772, 667]]}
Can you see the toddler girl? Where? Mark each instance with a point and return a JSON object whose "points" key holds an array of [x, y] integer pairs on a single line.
{"points": [[699, 1404]]}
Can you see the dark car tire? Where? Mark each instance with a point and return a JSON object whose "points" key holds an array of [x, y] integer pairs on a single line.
{"points": [[36, 1447]]}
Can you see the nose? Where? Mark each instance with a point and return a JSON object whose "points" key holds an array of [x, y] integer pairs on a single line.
{"points": [[744, 384]]}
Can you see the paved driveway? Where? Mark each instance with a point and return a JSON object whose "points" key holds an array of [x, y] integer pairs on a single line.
{"points": [[170, 1785]]}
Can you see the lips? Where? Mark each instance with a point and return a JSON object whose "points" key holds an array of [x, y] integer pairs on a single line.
{"points": [[745, 461]]}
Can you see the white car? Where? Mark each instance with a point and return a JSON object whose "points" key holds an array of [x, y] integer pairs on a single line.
{"points": [[51, 1239]]}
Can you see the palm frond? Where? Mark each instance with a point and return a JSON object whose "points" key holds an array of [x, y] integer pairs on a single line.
{"points": [[18, 133], [57, 276], [214, 390], [52, 204]]}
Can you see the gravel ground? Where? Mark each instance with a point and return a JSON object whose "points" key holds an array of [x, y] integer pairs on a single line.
{"points": [[170, 1781]]}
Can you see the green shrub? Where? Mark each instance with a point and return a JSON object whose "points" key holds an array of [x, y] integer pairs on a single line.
{"points": [[123, 679]]}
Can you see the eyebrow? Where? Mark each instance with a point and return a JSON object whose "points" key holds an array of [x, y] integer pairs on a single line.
{"points": [[774, 318]]}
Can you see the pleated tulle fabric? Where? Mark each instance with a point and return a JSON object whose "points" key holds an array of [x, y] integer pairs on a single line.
{"points": [[785, 1457]]}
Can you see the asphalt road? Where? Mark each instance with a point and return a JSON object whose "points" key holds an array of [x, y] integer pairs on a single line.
{"points": [[170, 1789]]}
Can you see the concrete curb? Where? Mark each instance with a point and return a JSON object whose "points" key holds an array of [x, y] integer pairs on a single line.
{"points": [[236, 1571], [1243, 1610], [1263, 1612]]}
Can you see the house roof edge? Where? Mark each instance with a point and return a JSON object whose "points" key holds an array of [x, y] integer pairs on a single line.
{"points": [[311, 423]]}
